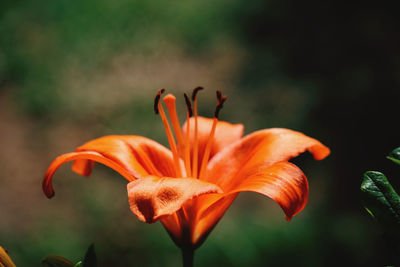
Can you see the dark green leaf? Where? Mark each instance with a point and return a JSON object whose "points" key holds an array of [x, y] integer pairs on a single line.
{"points": [[395, 155], [381, 200], [90, 259], [56, 261]]}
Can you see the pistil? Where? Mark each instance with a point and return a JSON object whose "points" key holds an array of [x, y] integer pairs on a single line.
{"points": [[158, 109], [170, 101], [183, 145]]}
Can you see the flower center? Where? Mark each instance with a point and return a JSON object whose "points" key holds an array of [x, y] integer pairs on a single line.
{"points": [[183, 145]]}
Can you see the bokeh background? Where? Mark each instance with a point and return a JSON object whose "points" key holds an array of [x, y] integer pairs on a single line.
{"points": [[71, 71]]}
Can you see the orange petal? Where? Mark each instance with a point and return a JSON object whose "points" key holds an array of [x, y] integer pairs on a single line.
{"points": [[172, 224], [210, 209], [261, 148], [283, 182], [80, 156], [139, 155], [131, 156], [225, 134], [152, 197]]}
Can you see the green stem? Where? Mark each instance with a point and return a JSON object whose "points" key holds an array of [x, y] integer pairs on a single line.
{"points": [[187, 256]]}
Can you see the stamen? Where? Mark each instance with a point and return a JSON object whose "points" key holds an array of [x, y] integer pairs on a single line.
{"points": [[208, 148], [188, 105], [195, 91], [196, 141], [168, 131], [221, 99], [187, 143], [157, 99], [220, 105]]}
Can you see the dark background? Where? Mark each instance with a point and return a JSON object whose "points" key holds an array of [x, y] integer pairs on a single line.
{"points": [[71, 71]]}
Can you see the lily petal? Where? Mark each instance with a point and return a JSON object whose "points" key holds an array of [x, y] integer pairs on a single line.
{"points": [[261, 148], [131, 156], [92, 156], [139, 155], [247, 159], [225, 134], [152, 197], [283, 182], [172, 225]]}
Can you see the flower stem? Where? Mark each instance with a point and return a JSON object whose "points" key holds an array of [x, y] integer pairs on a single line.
{"points": [[187, 257]]}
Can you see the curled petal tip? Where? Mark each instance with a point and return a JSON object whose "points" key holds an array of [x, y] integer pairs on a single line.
{"points": [[319, 151], [48, 190], [47, 186], [50, 195]]}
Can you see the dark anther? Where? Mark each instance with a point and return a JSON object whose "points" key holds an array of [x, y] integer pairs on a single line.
{"points": [[195, 91], [189, 105], [157, 99], [219, 96], [221, 99]]}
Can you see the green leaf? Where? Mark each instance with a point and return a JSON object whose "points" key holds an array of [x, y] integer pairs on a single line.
{"points": [[381, 200], [78, 264], [395, 156], [90, 259], [56, 261]]}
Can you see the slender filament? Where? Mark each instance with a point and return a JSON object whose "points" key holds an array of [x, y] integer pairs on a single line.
{"points": [[207, 151], [187, 148], [196, 141], [220, 103], [187, 141]]}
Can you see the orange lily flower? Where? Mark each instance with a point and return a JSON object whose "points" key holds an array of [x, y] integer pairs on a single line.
{"points": [[190, 186]]}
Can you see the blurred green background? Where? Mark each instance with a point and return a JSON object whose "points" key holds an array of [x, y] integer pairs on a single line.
{"points": [[71, 71]]}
